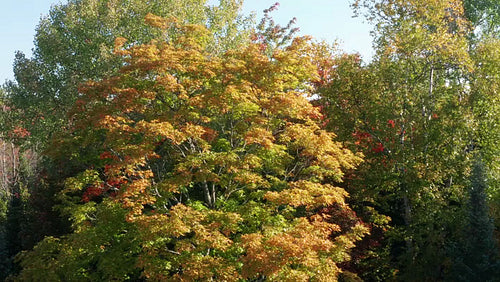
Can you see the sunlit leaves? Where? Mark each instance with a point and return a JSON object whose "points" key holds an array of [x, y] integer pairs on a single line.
{"points": [[75, 44], [209, 148], [299, 247], [433, 30], [217, 162]]}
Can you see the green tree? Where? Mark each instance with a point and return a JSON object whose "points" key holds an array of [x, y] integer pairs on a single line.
{"points": [[408, 111], [477, 256], [484, 15], [485, 100]]}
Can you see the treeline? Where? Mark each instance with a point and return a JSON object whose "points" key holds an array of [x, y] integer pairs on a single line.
{"points": [[173, 140]]}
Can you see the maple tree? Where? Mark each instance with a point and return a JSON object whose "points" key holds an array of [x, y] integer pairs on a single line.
{"points": [[219, 163], [73, 44]]}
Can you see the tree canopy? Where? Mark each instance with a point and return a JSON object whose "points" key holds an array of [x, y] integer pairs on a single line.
{"points": [[177, 141], [218, 161]]}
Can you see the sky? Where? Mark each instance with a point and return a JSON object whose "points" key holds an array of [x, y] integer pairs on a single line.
{"points": [[328, 20]]}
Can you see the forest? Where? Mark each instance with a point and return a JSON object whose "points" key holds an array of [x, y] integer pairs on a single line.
{"points": [[174, 140]]}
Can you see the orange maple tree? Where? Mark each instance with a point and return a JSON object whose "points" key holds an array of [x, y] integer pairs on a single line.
{"points": [[220, 161]]}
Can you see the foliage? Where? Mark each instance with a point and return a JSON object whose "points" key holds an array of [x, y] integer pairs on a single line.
{"points": [[105, 249], [484, 15], [484, 90], [219, 162], [199, 150], [477, 255], [409, 112], [75, 42]]}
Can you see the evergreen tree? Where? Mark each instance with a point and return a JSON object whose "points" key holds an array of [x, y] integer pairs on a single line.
{"points": [[478, 258]]}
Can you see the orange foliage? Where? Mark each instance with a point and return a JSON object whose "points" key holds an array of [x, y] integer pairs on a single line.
{"points": [[186, 133]]}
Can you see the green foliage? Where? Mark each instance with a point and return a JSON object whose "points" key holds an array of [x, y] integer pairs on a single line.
{"points": [[482, 249], [192, 151], [105, 249], [409, 112], [476, 257], [484, 101], [74, 44], [484, 15]]}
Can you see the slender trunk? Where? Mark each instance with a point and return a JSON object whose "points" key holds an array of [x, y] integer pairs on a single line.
{"points": [[427, 113], [4, 172], [15, 169], [213, 194], [407, 207], [431, 86], [403, 185], [208, 195]]}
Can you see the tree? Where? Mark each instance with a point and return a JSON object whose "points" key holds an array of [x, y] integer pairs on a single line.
{"points": [[408, 111], [74, 44], [483, 15], [15, 171], [477, 255], [484, 90], [217, 163]]}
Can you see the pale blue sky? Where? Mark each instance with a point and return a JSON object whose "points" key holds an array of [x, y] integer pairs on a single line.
{"points": [[324, 19]]}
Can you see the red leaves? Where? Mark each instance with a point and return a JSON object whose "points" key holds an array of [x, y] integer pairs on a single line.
{"points": [[378, 148], [365, 140], [110, 186], [91, 193], [372, 142], [361, 137], [205, 139], [105, 155], [391, 123], [19, 132]]}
